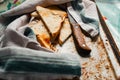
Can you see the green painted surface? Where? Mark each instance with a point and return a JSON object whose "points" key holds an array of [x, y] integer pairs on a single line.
{"points": [[111, 10]]}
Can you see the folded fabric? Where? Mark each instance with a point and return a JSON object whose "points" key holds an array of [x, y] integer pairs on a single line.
{"points": [[29, 6], [14, 36], [85, 14], [26, 7], [21, 54], [85, 10], [16, 61]]}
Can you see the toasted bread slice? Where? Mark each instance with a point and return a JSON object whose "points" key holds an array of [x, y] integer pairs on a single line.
{"points": [[65, 31], [52, 21], [42, 35], [58, 11], [34, 14], [38, 27], [44, 41]]}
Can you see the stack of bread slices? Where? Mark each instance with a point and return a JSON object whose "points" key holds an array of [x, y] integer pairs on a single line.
{"points": [[51, 26]]}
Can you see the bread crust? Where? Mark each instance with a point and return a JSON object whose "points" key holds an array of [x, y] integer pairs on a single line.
{"points": [[53, 19], [65, 32]]}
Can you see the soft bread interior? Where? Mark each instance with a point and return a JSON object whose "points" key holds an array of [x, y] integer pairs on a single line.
{"points": [[65, 32], [42, 34], [52, 20]]}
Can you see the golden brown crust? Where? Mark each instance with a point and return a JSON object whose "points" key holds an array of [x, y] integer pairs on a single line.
{"points": [[53, 20], [65, 31], [42, 34]]}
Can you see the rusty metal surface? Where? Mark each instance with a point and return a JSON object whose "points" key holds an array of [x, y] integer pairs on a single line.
{"points": [[109, 36], [95, 67], [110, 46]]}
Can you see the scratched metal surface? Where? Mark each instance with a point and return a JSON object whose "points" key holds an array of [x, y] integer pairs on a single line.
{"points": [[95, 67]]}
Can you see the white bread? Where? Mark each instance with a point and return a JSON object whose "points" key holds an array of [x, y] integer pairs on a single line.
{"points": [[34, 14], [65, 32], [58, 11], [42, 34], [52, 20]]}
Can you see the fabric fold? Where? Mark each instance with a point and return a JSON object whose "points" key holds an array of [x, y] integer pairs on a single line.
{"points": [[13, 37], [85, 14], [18, 61], [20, 53]]}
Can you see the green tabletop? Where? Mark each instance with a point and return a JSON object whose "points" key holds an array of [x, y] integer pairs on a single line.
{"points": [[110, 9]]}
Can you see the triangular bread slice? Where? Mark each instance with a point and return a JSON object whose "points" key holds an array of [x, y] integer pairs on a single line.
{"points": [[56, 10], [42, 35], [44, 41], [34, 14], [53, 21], [65, 32]]}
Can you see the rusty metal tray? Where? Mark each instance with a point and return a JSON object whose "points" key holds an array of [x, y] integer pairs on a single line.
{"points": [[98, 65], [102, 64]]}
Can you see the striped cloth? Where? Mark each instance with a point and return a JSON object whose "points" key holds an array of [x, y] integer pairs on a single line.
{"points": [[22, 58], [17, 61]]}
